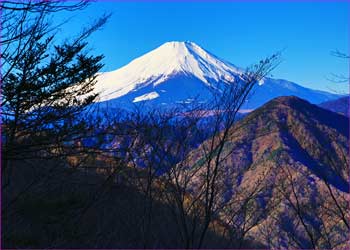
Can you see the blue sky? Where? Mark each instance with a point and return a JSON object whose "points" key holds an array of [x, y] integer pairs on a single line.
{"points": [[239, 32]]}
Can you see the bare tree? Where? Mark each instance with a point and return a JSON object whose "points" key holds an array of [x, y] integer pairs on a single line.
{"points": [[195, 186], [339, 78]]}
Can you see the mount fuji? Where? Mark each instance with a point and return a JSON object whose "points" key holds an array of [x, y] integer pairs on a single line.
{"points": [[181, 72]]}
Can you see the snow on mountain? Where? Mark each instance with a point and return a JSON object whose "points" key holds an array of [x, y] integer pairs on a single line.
{"points": [[145, 97], [177, 72], [160, 64]]}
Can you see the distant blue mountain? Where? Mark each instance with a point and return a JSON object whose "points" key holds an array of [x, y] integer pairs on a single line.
{"points": [[180, 73]]}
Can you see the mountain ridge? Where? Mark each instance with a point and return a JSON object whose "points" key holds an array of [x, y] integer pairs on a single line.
{"points": [[181, 72], [340, 105]]}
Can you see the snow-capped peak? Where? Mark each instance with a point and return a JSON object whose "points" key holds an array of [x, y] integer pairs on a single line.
{"points": [[160, 64]]}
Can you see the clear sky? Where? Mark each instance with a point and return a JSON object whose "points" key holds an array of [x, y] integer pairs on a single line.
{"points": [[239, 32]]}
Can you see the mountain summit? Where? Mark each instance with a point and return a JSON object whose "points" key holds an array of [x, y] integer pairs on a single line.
{"points": [[179, 72], [162, 64]]}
